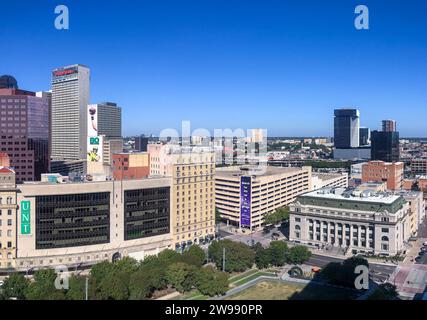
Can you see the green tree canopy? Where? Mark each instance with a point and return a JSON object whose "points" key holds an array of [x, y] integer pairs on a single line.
{"points": [[278, 252], [77, 288], [194, 256], [43, 286], [298, 254], [279, 215], [181, 276], [238, 256], [15, 286], [211, 281]]}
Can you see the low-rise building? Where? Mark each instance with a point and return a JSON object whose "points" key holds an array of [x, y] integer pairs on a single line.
{"points": [[419, 166], [360, 221], [128, 166], [75, 224], [380, 171], [417, 209], [333, 180], [243, 198]]}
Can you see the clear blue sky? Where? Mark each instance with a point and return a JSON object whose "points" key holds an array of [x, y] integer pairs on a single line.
{"points": [[281, 65]]}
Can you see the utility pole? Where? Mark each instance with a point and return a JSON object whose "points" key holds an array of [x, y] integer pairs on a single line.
{"points": [[86, 288], [223, 259]]}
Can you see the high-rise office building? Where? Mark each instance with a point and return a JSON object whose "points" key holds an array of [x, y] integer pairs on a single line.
{"points": [[389, 125], [385, 143], [70, 97], [141, 143], [364, 136], [24, 132], [385, 146], [104, 119], [346, 128]]}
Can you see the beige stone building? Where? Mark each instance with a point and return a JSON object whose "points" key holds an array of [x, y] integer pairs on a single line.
{"points": [[8, 208], [244, 197], [359, 221], [333, 180], [84, 223], [417, 208], [193, 183]]}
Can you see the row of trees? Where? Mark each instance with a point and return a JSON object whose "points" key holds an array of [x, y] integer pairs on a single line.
{"points": [[240, 257], [125, 279]]}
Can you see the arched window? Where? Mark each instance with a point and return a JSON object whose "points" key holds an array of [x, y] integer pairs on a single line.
{"points": [[297, 227], [384, 238]]}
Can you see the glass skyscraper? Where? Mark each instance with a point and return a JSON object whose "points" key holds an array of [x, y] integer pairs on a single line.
{"points": [[24, 132], [346, 128]]}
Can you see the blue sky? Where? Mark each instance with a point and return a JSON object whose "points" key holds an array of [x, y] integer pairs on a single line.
{"points": [[281, 65]]}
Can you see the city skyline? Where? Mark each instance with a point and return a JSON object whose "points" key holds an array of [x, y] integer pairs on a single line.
{"points": [[278, 67]]}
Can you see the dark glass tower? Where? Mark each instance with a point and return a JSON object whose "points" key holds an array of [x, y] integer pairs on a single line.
{"points": [[346, 128], [385, 146]]}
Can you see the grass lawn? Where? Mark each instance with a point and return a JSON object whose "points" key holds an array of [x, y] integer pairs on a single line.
{"points": [[275, 290], [243, 275], [249, 278]]}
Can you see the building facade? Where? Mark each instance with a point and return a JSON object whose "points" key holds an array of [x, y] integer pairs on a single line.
{"points": [[193, 174], [389, 125], [358, 221], [346, 128], [332, 180], [8, 209], [24, 132], [385, 146], [84, 223], [131, 165], [380, 171], [105, 119], [419, 166], [70, 98], [244, 198]]}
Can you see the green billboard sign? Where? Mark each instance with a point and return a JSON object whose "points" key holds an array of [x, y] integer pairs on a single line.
{"points": [[25, 217]]}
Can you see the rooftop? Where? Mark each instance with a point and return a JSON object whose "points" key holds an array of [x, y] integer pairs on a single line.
{"points": [[352, 199], [351, 194], [259, 171], [327, 176]]}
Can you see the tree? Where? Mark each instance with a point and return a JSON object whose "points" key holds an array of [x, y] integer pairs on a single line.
{"points": [[127, 264], [298, 255], [77, 290], [43, 287], [156, 267], [181, 276], [194, 256], [279, 215], [238, 256], [114, 286], [140, 285], [15, 286], [217, 216], [211, 281], [262, 257], [278, 252]]}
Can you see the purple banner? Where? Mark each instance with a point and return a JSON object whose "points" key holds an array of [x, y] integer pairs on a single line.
{"points": [[245, 201]]}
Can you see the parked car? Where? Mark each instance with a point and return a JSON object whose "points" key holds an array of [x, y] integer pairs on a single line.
{"points": [[421, 253], [417, 259], [1, 283], [425, 244], [424, 249]]}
